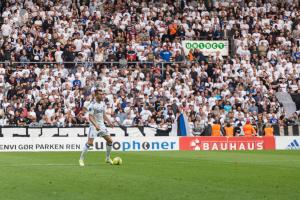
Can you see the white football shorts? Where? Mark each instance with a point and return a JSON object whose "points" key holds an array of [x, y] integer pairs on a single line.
{"points": [[93, 133]]}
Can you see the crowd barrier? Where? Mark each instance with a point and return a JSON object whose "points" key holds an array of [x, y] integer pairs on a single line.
{"points": [[134, 139], [76, 144], [70, 65], [7, 132], [286, 130], [82, 131], [165, 143]]}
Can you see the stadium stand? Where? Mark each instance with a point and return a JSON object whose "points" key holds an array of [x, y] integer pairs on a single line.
{"points": [[55, 53]]}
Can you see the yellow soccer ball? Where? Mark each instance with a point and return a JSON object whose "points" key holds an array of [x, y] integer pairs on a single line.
{"points": [[117, 161]]}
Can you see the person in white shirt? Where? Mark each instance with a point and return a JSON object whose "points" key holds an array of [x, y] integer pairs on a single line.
{"points": [[58, 54], [3, 121], [128, 121], [6, 29], [145, 114], [50, 112], [97, 117]]}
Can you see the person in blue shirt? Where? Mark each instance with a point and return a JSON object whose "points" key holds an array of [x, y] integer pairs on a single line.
{"points": [[124, 103], [76, 82], [165, 54], [227, 107], [296, 56], [218, 97], [273, 119], [253, 108]]}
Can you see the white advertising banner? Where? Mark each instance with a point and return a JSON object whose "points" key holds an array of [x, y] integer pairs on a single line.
{"points": [[74, 132], [207, 47], [287, 142], [76, 144]]}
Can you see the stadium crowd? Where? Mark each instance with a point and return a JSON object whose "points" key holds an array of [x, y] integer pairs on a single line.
{"points": [[94, 44]]}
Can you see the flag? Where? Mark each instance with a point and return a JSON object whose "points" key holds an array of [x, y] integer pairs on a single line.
{"points": [[183, 128]]}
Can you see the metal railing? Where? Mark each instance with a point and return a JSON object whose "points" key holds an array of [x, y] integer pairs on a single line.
{"points": [[95, 63], [91, 64]]}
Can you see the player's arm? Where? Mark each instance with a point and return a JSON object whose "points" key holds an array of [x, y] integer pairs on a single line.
{"points": [[107, 120], [92, 118], [93, 121]]}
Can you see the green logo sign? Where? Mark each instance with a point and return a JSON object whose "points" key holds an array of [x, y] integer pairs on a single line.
{"points": [[205, 45]]}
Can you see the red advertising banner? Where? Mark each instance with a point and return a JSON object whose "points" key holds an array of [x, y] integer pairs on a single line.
{"points": [[226, 143]]}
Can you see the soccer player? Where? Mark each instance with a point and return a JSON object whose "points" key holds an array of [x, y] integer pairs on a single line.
{"points": [[97, 117]]}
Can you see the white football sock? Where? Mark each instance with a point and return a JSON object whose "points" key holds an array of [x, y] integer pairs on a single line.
{"points": [[84, 151], [108, 150]]}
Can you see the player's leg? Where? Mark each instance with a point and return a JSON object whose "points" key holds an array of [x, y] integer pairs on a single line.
{"points": [[108, 148], [86, 147]]}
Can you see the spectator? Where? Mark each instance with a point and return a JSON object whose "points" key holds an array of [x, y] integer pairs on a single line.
{"points": [[76, 82], [6, 28], [228, 107], [145, 114], [263, 61], [273, 119], [253, 108], [49, 112], [128, 121], [165, 55]]}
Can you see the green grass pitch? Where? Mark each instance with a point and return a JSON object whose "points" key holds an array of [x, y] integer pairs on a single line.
{"points": [[151, 175]]}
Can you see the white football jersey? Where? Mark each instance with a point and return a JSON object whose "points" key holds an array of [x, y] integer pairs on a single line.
{"points": [[97, 109]]}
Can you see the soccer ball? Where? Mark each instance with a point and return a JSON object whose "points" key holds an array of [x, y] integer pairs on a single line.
{"points": [[117, 161]]}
